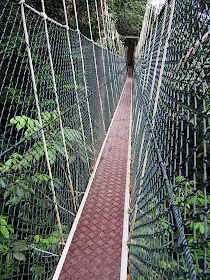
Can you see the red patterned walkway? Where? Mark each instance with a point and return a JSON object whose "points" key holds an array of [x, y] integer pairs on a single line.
{"points": [[95, 251]]}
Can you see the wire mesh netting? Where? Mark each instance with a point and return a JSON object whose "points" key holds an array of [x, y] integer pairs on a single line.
{"points": [[51, 133], [169, 197]]}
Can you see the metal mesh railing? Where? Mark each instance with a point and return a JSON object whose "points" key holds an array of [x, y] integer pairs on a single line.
{"points": [[169, 197], [52, 115]]}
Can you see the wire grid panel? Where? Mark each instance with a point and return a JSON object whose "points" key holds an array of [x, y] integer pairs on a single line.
{"points": [[37, 202], [169, 197]]}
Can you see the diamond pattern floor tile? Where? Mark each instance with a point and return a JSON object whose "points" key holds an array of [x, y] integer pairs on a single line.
{"points": [[95, 251]]}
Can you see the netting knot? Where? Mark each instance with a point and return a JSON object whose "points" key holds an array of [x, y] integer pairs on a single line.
{"points": [[67, 27], [21, 2], [44, 15]]}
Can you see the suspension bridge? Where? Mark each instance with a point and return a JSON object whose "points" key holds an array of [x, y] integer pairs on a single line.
{"points": [[104, 166]]}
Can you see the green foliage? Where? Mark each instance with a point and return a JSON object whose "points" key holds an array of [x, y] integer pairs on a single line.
{"points": [[54, 8], [5, 228], [185, 197], [18, 184], [73, 140], [82, 15], [50, 242], [128, 16], [10, 247], [22, 121]]}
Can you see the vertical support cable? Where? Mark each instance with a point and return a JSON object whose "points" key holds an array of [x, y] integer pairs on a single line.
{"points": [[98, 20], [142, 144], [104, 67], [145, 54], [94, 56], [152, 50], [145, 26], [83, 67], [104, 26], [155, 106], [108, 56], [114, 51], [119, 43], [40, 119], [75, 85], [145, 29], [113, 34], [148, 25], [163, 61], [107, 27], [158, 54], [144, 129], [58, 107], [138, 126], [86, 92]]}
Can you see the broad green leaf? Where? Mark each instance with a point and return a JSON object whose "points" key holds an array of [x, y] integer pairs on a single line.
{"points": [[57, 182], [6, 166], [36, 151], [16, 155], [2, 184], [14, 200], [19, 256], [23, 184], [10, 228], [37, 238], [41, 178], [20, 121], [52, 155], [72, 135], [33, 126], [3, 222], [59, 148], [25, 162], [190, 201], [19, 246], [4, 231]]}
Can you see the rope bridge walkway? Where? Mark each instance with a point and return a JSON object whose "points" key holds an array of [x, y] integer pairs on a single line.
{"points": [[90, 188], [95, 250]]}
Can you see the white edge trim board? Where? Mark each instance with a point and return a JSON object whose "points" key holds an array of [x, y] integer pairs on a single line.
{"points": [[76, 221], [124, 252]]}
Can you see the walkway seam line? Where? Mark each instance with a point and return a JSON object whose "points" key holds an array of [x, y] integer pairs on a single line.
{"points": [[76, 221], [124, 253]]}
